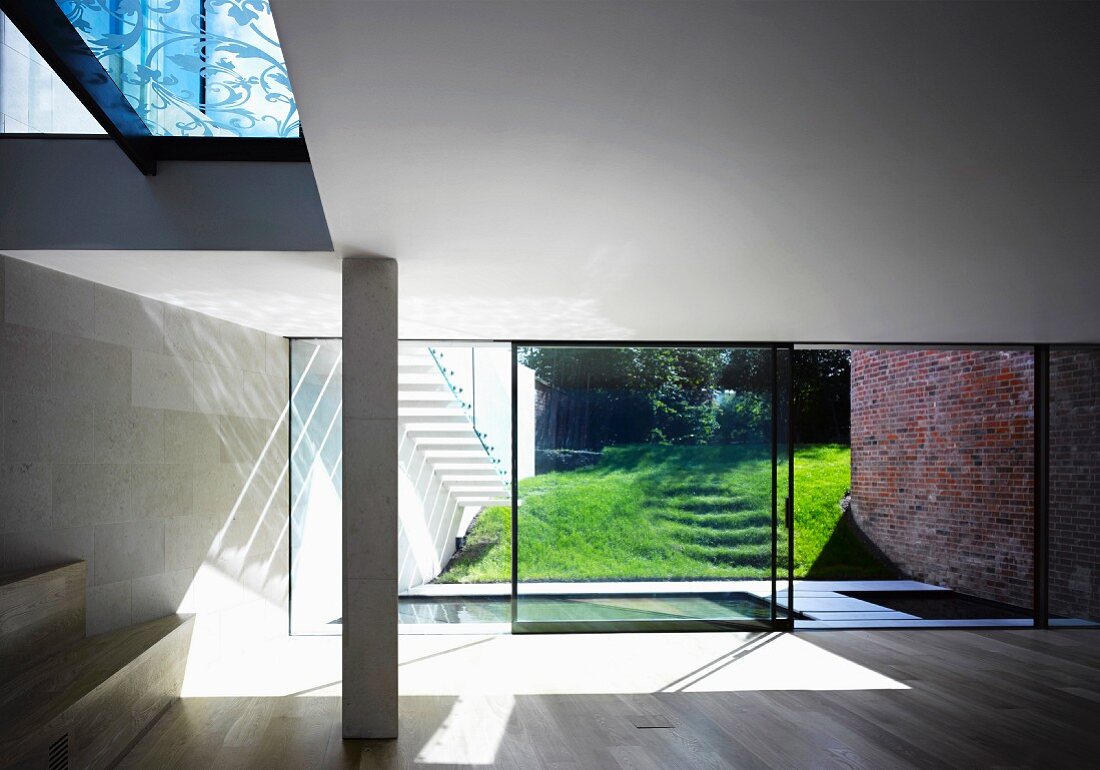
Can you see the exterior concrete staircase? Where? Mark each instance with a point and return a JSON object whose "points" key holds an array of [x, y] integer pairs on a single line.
{"points": [[454, 468]]}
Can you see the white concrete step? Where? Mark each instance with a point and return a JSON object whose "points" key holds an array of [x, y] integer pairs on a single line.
{"points": [[420, 414], [467, 477], [491, 490], [427, 442], [430, 401], [459, 465], [416, 429], [465, 455], [433, 385], [404, 369], [483, 501], [432, 397]]}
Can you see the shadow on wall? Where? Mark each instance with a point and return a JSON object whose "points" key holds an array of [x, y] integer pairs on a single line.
{"points": [[151, 442], [240, 588], [235, 542]]}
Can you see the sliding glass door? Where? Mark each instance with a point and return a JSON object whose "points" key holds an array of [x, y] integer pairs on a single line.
{"points": [[653, 484]]}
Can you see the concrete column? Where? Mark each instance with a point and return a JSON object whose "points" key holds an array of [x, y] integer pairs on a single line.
{"points": [[370, 498]]}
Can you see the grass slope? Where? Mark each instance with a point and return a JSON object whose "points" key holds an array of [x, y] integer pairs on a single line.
{"points": [[660, 513]]}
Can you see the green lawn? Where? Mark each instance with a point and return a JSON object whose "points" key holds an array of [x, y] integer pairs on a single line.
{"points": [[661, 512]]}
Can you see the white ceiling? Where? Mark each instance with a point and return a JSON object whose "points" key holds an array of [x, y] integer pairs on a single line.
{"points": [[711, 170], [624, 169]]}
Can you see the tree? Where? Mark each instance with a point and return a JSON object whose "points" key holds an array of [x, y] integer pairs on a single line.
{"points": [[598, 396]]}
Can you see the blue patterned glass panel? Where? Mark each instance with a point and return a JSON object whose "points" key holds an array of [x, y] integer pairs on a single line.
{"points": [[193, 67]]}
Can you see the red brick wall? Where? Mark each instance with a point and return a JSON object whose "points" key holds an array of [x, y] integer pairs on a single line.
{"points": [[1075, 483], [942, 466]]}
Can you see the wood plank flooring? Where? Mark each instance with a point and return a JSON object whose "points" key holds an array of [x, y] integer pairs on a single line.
{"points": [[964, 699]]}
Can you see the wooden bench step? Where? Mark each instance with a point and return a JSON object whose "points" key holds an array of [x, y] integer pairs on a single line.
{"points": [[97, 695], [41, 612]]}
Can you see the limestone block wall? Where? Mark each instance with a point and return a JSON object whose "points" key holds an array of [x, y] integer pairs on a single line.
{"points": [[150, 441]]}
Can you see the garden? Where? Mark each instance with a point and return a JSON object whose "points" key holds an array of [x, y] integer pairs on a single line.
{"points": [[655, 464]]}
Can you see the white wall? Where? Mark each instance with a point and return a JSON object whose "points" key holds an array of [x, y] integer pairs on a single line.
{"points": [[61, 193], [151, 442]]}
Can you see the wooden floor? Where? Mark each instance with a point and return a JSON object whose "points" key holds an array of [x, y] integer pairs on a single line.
{"points": [[965, 699]]}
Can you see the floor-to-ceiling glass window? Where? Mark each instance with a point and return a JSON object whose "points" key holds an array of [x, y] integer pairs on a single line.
{"points": [[454, 498], [652, 484], [454, 535], [316, 512], [1073, 533], [653, 503]]}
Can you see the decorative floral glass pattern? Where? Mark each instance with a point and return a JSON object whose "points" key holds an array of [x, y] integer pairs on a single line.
{"points": [[193, 67]]}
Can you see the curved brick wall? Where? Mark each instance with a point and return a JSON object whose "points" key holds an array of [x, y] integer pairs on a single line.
{"points": [[942, 466]]}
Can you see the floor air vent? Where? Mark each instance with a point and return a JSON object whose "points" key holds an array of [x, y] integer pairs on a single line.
{"points": [[59, 753]]}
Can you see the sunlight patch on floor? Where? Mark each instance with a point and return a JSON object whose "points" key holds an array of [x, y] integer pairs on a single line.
{"points": [[626, 663], [290, 665], [307, 666], [471, 734]]}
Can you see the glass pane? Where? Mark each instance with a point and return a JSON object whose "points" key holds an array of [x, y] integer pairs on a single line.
{"points": [[914, 486], [193, 67], [651, 499], [783, 498], [316, 480], [454, 535], [32, 97], [1074, 447]]}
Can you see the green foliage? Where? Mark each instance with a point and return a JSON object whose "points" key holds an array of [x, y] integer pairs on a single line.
{"points": [[668, 512], [824, 546], [686, 396], [822, 395], [743, 417]]}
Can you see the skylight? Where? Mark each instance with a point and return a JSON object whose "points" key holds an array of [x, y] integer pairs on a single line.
{"points": [[196, 68]]}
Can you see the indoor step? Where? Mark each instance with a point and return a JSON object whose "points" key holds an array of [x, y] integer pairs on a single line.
{"points": [[97, 695], [41, 612]]}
